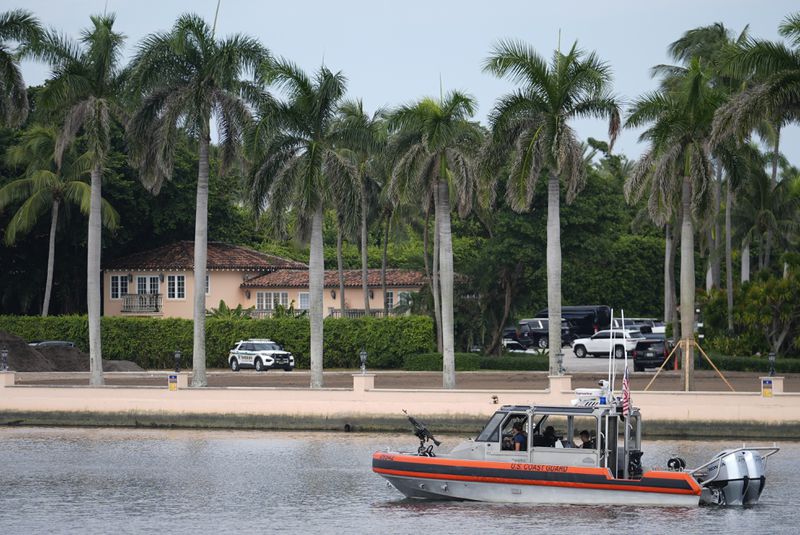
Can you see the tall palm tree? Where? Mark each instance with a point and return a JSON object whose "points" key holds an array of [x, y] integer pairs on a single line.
{"points": [[772, 70], [186, 77], [46, 185], [366, 154], [86, 88], [531, 135], [437, 149], [679, 119], [23, 28], [294, 159]]}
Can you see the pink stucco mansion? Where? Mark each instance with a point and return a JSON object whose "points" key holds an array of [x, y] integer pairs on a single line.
{"points": [[160, 282]]}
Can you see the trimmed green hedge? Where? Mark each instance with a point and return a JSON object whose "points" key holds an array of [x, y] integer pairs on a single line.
{"points": [[151, 342], [432, 362], [748, 364], [473, 362]]}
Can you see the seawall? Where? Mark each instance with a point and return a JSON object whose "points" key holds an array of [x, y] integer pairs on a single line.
{"points": [[364, 408]]}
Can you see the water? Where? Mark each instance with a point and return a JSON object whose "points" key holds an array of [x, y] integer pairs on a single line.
{"points": [[131, 481]]}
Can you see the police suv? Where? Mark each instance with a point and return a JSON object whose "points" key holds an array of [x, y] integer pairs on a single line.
{"points": [[259, 354]]}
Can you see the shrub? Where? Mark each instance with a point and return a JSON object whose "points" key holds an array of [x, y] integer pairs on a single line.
{"points": [[535, 363], [748, 364], [151, 342], [432, 362]]}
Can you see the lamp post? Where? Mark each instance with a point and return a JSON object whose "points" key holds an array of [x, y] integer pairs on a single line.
{"points": [[177, 357], [363, 356], [772, 364], [4, 359]]}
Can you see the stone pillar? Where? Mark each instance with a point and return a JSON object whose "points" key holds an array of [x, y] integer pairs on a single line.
{"points": [[183, 380], [777, 384], [363, 382], [7, 379], [560, 383]]}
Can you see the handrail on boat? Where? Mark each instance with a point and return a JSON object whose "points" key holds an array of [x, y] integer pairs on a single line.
{"points": [[771, 450]]}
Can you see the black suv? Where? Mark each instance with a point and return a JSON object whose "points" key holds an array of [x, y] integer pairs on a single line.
{"points": [[535, 332], [650, 353]]}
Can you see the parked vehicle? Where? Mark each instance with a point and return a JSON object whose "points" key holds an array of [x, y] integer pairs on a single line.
{"points": [[630, 324], [601, 343], [510, 333], [259, 354], [584, 320], [51, 343], [655, 325], [536, 333], [650, 353]]}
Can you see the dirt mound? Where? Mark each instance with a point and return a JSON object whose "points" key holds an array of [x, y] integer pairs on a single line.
{"points": [[24, 358]]}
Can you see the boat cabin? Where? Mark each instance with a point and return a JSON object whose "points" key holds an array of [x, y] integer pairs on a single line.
{"points": [[590, 436]]}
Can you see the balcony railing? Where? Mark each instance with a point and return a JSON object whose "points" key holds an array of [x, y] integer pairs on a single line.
{"points": [[357, 313], [142, 303]]}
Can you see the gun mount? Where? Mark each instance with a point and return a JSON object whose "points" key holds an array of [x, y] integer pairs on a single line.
{"points": [[424, 436]]}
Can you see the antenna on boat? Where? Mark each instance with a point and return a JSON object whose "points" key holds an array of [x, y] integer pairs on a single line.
{"points": [[611, 352]]}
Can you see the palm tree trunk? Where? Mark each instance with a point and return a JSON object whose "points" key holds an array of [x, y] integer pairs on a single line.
{"points": [[716, 264], [687, 283], [340, 268], [51, 256], [776, 153], [446, 275], [200, 260], [316, 274], [674, 318], [437, 309], [729, 254], [745, 277], [94, 246], [554, 272], [364, 264], [668, 247], [384, 256]]}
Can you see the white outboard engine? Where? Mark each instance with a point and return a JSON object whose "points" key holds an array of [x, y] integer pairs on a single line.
{"points": [[727, 478], [756, 469]]}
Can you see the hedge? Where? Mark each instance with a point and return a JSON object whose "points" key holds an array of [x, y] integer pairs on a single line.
{"points": [[748, 364], [474, 362], [151, 342]]}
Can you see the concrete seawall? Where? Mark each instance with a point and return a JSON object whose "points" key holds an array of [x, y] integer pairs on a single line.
{"points": [[676, 414]]}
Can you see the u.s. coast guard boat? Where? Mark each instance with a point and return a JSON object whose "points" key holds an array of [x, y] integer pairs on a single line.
{"points": [[534, 454]]}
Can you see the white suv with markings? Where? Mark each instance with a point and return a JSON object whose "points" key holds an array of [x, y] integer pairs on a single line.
{"points": [[259, 354]]}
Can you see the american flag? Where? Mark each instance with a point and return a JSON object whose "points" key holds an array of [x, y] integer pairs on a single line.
{"points": [[626, 394]]}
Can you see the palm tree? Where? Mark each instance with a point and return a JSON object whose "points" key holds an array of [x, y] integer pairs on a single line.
{"points": [[23, 28], [531, 135], [294, 163], [773, 74], [680, 118], [86, 88], [366, 154], [437, 145], [186, 77], [46, 186]]}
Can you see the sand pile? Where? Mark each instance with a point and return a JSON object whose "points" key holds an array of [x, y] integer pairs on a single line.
{"points": [[24, 358]]}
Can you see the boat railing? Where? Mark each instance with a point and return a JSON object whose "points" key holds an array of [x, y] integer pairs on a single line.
{"points": [[771, 450]]}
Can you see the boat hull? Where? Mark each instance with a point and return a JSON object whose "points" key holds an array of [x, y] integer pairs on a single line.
{"points": [[437, 478]]}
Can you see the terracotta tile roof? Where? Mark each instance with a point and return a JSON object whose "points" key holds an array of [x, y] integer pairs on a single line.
{"points": [[285, 278], [180, 256]]}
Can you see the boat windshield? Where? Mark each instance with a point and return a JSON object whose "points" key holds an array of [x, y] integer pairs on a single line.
{"points": [[490, 432]]}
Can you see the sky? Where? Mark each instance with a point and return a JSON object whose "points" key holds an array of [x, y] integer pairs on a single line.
{"points": [[397, 52]]}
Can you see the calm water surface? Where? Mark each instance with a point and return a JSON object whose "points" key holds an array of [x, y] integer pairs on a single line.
{"points": [[131, 481]]}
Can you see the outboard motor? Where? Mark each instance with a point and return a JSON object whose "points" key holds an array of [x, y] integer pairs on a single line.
{"points": [[728, 478], [756, 473]]}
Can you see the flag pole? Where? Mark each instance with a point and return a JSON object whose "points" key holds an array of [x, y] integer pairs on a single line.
{"points": [[626, 400], [611, 354]]}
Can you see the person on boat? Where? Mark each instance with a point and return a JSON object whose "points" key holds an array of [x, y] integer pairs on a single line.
{"points": [[549, 436], [586, 440], [520, 439]]}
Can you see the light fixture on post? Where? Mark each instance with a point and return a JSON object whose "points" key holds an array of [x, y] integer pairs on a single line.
{"points": [[363, 356]]}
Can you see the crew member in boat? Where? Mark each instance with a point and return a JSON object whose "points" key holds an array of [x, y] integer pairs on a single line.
{"points": [[520, 439], [586, 440]]}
